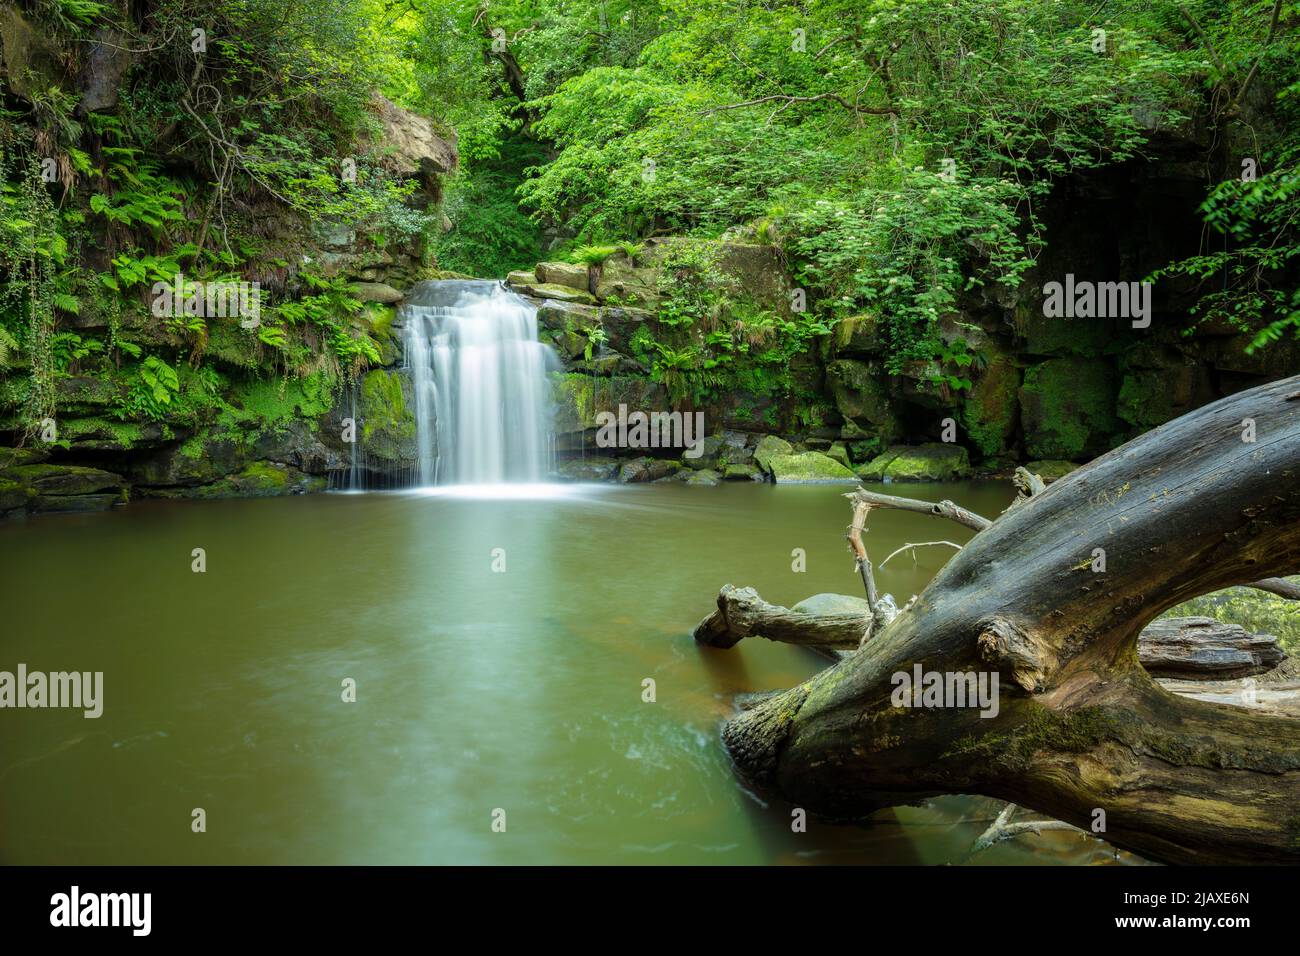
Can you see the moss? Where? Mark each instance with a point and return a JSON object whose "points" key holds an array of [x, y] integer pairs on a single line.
{"points": [[388, 427], [1068, 408], [810, 467], [990, 411]]}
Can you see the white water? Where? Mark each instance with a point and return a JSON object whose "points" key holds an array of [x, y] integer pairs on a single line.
{"points": [[482, 398]]}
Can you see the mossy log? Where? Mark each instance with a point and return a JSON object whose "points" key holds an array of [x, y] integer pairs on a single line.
{"points": [[1186, 509]]}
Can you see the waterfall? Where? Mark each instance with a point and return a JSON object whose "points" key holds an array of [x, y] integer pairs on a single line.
{"points": [[482, 398]]}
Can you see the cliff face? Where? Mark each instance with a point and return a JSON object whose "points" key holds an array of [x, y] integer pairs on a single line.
{"points": [[1018, 382], [101, 395]]}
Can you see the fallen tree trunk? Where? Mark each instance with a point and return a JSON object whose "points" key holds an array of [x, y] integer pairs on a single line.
{"points": [[1201, 648], [1189, 648], [1077, 725]]}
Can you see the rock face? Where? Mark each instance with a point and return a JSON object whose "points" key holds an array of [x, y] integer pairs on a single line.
{"points": [[410, 144], [931, 462], [30, 486]]}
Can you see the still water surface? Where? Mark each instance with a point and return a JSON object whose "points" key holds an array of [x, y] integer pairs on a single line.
{"points": [[476, 689]]}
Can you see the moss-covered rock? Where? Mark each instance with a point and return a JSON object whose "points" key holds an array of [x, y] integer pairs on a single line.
{"points": [[647, 469], [809, 467], [21, 456], [563, 273], [840, 452], [991, 410], [59, 480], [525, 283], [704, 476], [935, 461], [742, 472], [1067, 408], [14, 495], [862, 397], [1051, 470], [568, 324], [1151, 397], [258, 479], [387, 424], [579, 398], [591, 468], [769, 447]]}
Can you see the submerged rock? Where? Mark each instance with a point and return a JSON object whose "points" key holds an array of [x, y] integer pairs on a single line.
{"points": [[935, 461], [588, 469], [809, 467]]}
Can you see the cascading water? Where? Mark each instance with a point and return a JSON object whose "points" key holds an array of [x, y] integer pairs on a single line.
{"points": [[482, 407]]}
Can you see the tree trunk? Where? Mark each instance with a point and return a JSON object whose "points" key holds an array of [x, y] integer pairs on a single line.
{"points": [[1080, 727], [1187, 648]]}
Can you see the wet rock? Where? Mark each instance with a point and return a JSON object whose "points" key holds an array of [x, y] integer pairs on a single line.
{"points": [[743, 473], [705, 476], [647, 469], [712, 450], [770, 447], [588, 469], [55, 504], [809, 467], [936, 461], [61, 480]]}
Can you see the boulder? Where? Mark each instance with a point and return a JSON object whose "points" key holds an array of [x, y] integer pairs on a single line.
{"points": [[62, 480], [862, 397], [743, 473], [809, 467], [840, 452], [409, 144], [935, 461], [713, 453], [588, 469], [563, 273], [647, 469], [567, 324], [829, 603], [770, 447], [525, 284], [21, 456], [379, 292], [705, 476]]}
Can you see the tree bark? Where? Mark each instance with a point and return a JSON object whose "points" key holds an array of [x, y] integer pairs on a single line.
{"points": [[1183, 510]]}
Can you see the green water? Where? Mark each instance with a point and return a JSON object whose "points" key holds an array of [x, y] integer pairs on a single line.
{"points": [[477, 689]]}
